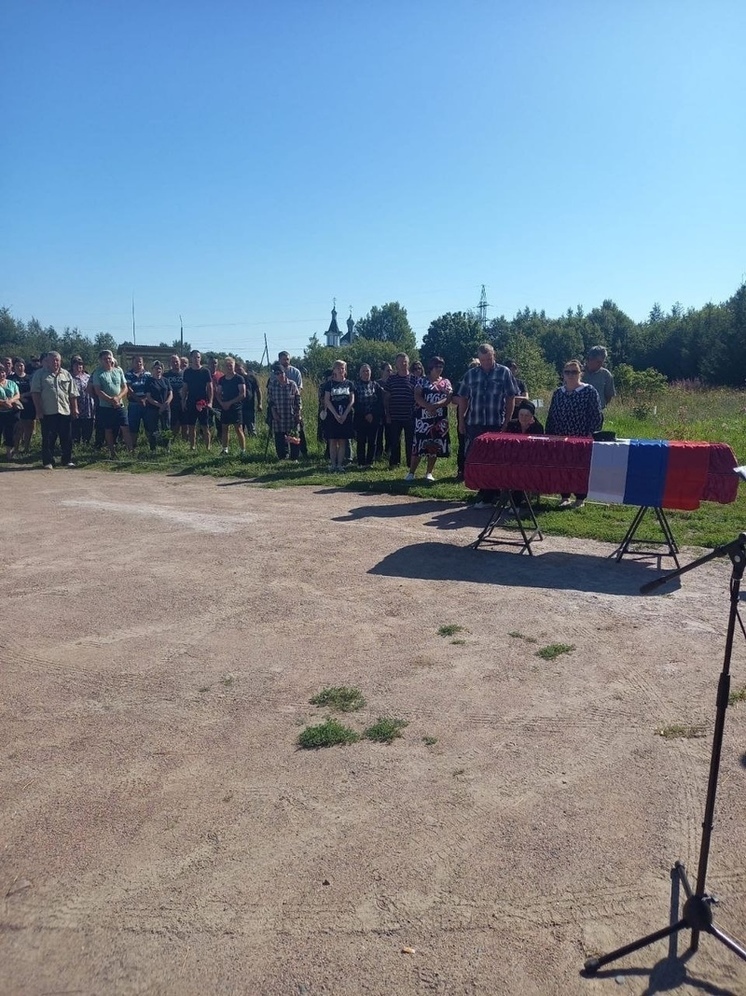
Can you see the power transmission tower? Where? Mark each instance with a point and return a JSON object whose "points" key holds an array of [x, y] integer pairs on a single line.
{"points": [[482, 308]]}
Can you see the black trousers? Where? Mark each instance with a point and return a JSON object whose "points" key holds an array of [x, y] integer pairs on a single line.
{"points": [[81, 430], [366, 434], [396, 427], [54, 427], [156, 422], [8, 421], [281, 446]]}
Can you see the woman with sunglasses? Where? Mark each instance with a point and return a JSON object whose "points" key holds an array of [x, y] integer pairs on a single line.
{"points": [[575, 410]]}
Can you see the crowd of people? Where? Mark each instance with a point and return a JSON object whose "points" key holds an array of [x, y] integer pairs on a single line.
{"points": [[190, 399]]}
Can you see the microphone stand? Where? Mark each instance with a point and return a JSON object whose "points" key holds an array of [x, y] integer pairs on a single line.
{"points": [[696, 914]]}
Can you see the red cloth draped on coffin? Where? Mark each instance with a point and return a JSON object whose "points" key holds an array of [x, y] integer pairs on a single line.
{"points": [[555, 464]]}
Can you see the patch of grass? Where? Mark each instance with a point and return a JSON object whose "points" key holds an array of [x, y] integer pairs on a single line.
{"points": [[553, 650], [459, 643], [429, 741], [450, 630], [341, 698], [521, 636], [678, 731], [385, 730], [327, 734], [228, 680], [205, 688], [458, 773], [737, 696]]}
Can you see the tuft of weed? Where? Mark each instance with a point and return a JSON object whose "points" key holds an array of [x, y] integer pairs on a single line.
{"points": [[450, 630], [429, 741], [341, 698], [678, 731], [553, 650], [459, 643], [327, 734], [737, 696], [385, 730]]}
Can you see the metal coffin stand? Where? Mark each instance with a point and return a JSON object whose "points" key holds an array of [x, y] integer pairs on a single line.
{"points": [[506, 502], [668, 541]]}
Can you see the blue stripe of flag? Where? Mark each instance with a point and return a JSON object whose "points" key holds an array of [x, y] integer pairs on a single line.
{"points": [[646, 472]]}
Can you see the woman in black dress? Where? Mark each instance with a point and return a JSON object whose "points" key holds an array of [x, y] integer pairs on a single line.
{"points": [[339, 399]]}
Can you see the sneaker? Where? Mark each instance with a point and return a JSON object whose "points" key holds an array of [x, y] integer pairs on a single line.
{"points": [[48, 466], [429, 477], [409, 477], [579, 503], [565, 503], [482, 504], [71, 464], [225, 451]]}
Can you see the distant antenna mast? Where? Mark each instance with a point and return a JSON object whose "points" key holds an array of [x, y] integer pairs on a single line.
{"points": [[134, 336], [181, 329], [483, 306]]}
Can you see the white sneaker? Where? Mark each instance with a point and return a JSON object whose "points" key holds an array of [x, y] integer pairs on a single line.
{"points": [[226, 451], [565, 503], [482, 504], [409, 477], [71, 464], [48, 466], [429, 477]]}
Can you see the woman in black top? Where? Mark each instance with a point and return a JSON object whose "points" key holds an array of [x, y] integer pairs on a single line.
{"points": [[231, 394], [368, 415], [158, 397]]}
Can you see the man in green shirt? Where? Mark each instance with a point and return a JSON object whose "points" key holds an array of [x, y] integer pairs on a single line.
{"points": [[110, 385], [55, 396]]}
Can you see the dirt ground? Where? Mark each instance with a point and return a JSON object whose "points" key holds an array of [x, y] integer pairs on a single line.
{"points": [[160, 832]]}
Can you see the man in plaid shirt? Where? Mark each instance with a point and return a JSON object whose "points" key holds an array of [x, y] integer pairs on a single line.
{"points": [[284, 400], [486, 397]]}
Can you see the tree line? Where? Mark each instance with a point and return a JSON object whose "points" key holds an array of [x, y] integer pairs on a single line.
{"points": [[706, 344]]}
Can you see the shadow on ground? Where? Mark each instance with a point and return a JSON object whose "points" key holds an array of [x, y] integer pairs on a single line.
{"points": [[570, 571]]}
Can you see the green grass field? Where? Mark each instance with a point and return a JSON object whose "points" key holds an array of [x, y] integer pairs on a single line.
{"points": [[705, 415]]}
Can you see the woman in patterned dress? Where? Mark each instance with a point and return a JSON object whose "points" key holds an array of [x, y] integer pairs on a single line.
{"points": [[575, 410], [431, 440]]}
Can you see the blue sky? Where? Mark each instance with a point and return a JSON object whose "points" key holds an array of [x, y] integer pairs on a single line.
{"points": [[242, 163]]}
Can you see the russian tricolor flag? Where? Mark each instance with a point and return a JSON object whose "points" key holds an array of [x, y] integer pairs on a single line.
{"points": [[653, 472]]}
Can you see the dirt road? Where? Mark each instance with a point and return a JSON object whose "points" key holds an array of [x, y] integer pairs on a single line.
{"points": [[161, 833]]}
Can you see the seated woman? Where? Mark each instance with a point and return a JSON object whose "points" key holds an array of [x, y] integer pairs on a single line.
{"points": [[524, 421], [575, 410]]}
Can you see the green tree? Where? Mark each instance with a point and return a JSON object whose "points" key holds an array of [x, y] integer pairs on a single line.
{"points": [[539, 375], [454, 336], [389, 323], [319, 358]]}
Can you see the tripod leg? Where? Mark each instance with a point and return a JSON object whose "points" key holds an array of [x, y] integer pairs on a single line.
{"points": [[728, 941], [592, 965]]}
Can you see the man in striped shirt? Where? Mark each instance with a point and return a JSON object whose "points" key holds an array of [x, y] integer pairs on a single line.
{"points": [[398, 406]]}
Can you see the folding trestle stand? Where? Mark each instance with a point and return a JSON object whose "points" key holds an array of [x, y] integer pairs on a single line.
{"points": [[696, 914], [671, 549], [505, 502]]}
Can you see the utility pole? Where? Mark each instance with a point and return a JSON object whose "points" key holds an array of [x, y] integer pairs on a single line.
{"points": [[134, 336], [482, 308], [181, 329]]}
